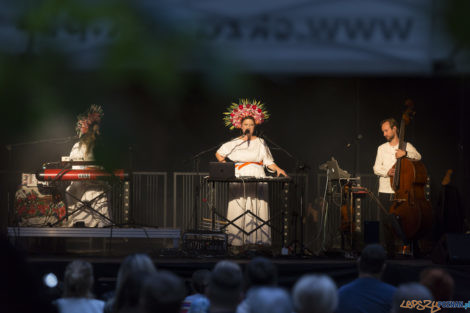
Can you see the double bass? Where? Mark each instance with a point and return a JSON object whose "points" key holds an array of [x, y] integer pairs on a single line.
{"points": [[410, 205]]}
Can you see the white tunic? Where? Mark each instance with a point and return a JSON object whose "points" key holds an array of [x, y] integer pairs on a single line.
{"points": [[93, 192], [240, 152], [384, 161], [244, 197]]}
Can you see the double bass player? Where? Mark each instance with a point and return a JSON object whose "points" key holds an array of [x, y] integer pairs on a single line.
{"points": [[384, 167]]}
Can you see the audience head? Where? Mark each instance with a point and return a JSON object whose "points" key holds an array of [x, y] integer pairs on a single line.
{"points": [[269, 300], [78, 279], [439, 282], [411, 291], [128, 296], [200, 280], [133, 263], [225, 285], [260, 272], [372, 260], [315, 293], [162, 292]]}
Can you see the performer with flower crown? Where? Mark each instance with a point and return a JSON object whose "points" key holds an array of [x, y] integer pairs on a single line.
{"points": [[93, 192], [251, 155]]}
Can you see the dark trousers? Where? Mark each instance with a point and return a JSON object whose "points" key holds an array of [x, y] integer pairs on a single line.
{"points": [[388, 230]]}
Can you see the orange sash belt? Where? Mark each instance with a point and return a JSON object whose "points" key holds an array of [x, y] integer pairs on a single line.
{"points": [[242, 165]]}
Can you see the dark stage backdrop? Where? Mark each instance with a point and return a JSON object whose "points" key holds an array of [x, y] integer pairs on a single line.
{"points": [[313, 118]]}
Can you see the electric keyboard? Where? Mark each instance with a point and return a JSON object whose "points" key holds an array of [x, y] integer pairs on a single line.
{"points": [[80, 174]]}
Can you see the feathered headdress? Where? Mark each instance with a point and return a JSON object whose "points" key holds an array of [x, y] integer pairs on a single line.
{"points": [[236, 112], [92, 116]]}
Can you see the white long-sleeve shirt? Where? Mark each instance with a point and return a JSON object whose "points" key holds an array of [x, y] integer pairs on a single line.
{"points": [[386, 159]]}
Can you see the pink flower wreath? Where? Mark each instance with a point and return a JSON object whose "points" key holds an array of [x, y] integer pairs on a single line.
{"points": [[92, 116], [236, 112]]}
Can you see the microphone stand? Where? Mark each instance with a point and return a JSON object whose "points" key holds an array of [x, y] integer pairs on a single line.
{"points": [[11, 147], [278, 147], [300, 166]]}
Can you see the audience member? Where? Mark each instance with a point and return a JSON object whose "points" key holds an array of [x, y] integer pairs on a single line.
{"points": [[225, 287], [197, 302], [128, 297], [411, 291], [315, 294], [269, 300], [259, 272], [162, 292], [439, 282], [132, 263], [78, 284], [367, 293]]}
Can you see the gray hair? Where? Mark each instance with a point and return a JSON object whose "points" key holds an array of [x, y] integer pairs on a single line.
{"points": [[269, 300], [315, 293], [410, 291]]}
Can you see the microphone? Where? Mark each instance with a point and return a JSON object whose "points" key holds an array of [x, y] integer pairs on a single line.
{"points": [[248, 136], [358, 137]]}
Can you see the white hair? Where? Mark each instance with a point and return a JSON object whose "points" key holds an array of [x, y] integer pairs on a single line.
{"points": [[269, 300], [315, 293], [410, 291]]}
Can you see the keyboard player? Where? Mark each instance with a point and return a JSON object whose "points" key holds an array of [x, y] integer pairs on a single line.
{"points": [[90, 192]]}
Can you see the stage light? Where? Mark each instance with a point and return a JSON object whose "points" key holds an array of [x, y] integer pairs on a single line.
{"points": [[50, 280]]}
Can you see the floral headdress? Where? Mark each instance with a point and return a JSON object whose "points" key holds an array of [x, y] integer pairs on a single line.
{"points": [[236, 112], [92, 116]]}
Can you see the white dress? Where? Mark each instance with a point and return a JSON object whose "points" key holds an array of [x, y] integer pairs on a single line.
{"points": [[248, 196], [91, 191]]}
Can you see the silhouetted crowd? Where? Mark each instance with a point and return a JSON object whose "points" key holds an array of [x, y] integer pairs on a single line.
{"points": [[142, 288]]}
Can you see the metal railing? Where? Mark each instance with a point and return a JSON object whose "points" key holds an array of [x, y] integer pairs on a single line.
{"points": [[149, 199]]}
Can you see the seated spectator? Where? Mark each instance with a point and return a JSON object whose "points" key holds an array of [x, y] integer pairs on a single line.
{"points": [[269, 300], [259, 272], [367, 293], [78, 283], [128, 297], [131, 264], [225, 287], [162, 292], [197, 302], [315, 294], [411, 291], [439, 282]]}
